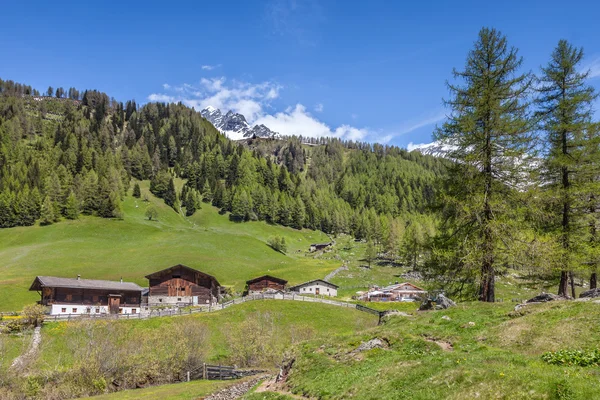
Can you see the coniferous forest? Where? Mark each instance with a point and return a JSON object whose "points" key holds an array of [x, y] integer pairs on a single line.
{"points": [[66, 155]]}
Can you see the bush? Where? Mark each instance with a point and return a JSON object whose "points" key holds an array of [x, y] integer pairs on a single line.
{"points": [[277, 243], [33, 314], [579, 358]]}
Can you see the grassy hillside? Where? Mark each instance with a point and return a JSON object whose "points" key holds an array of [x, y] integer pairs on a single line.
{"points": [[93, 357], [479, 351], [133, 247]]}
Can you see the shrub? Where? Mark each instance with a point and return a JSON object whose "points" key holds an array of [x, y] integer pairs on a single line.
{"points": [[277, 243], [579, 358]]}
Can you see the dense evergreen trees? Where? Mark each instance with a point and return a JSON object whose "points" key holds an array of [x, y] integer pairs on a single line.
{"points": [[92, 148]]}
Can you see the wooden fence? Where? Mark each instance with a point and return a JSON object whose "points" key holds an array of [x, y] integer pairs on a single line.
{"points": [[215, 307]]}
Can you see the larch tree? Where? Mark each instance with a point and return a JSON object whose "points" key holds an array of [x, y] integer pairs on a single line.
{"points": [[489, 133], [565, 112]]}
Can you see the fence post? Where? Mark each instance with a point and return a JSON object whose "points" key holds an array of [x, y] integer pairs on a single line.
{"points": [[204, 371], [220, 378], [188, 376]]}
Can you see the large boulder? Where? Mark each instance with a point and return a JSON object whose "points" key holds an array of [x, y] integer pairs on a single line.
{"points": [[443, 302], [544, 297], [590, 294]]}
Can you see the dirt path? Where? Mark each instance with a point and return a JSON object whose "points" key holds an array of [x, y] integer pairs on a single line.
{"points": [[236, 391], [23, 359], [335, 272]]}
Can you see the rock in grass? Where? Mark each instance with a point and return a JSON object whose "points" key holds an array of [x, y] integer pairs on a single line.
{"points": [[444, 302], [544, 297], [590, 293], [372, 344]]}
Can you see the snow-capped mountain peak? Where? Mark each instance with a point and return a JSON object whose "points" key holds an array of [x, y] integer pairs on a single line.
{"points": [[234, 125]]}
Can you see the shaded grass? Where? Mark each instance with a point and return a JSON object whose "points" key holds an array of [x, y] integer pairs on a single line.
{"points": [[175, 391]]}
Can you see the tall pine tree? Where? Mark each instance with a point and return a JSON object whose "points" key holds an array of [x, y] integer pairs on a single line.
{"points": [[565, 110], [489, 131]]}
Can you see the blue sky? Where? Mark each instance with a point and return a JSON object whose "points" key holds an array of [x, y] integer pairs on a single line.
{"points": [[371, 70]]}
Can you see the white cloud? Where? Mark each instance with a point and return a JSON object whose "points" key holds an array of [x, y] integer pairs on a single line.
{"points": [[246, 98], [210, 67], [412, 146], [166, 86], [297, 121], [253, 100]]}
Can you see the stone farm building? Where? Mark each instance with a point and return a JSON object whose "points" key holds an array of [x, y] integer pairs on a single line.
{"points": [[319, 246], [316, 287], [65, 296], [398, 292], [182, 285], [265, 283]]}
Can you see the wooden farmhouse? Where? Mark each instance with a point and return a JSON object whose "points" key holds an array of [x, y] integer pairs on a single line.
{"points": [[65, 296], [319, 246], [182, 285], [318, 287], [265, 283], [398, 292]]}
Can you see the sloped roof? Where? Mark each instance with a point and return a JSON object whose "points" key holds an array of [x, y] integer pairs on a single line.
{"points": [[267, 277], [74, 283], [160, 273], [399, 285], [315, 281]]}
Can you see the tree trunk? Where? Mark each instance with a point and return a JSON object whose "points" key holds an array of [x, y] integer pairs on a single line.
{"points": [[487, 286], [572, 279], [593, 280], [563, 286]]}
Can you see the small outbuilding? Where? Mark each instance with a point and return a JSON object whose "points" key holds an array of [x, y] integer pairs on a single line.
{"points": [[64, 296], [317, 287], [182, 285], [319, 246], [397, 292], [265, 283]]}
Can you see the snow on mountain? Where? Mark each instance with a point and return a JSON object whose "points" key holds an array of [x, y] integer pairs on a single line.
{"points": [[234, 125], [436, 149]]}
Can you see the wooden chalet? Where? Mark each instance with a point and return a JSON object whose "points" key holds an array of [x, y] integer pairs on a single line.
{"points": [[66, 296], [182, 285], [265, 283]]}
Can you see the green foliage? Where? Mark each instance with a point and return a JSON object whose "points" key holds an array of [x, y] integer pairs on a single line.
{"points": [[71, 207], [151, 213], [488, 124], [48, 215], [277, 243], [580, 358], [136, 191]]}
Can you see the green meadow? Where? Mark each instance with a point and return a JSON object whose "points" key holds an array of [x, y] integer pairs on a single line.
{"points": [[133, 247]]}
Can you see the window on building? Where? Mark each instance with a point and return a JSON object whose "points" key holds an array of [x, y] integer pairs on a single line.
{"points": [[160, 300], [74, 310], [304, 289], [63, 310], [179, 299], [95, 299], [310, 289], [97, 310], [328, 289], [69, 297], [134, 311], [120, 311]]}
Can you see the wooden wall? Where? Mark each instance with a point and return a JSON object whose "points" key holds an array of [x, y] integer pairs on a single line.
{"points": [[88, 296], [264, 285]]}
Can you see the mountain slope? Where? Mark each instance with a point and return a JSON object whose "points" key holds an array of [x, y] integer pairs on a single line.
{"points": [[234, 125]]}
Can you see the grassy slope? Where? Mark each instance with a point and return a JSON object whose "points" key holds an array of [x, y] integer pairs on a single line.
{"points": [[320, 319], [497, 358], [133, 247]]}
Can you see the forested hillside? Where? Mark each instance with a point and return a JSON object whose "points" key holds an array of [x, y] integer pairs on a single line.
{"points": [[75, 153]]}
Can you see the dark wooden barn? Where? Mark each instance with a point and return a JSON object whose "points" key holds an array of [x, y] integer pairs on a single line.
{"points": [[87, 296], [181, 285], [265, 283]]}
